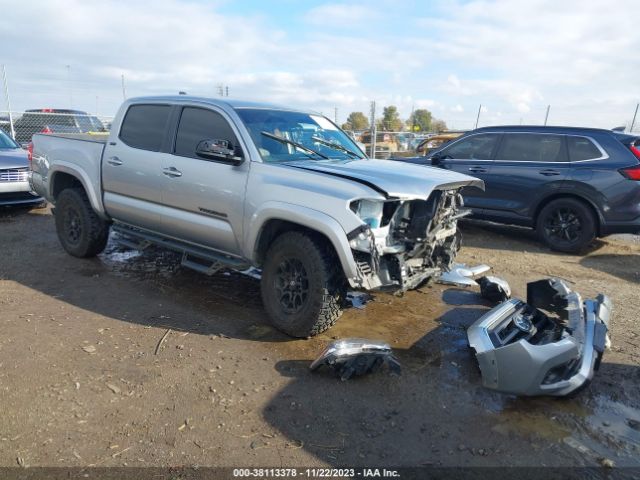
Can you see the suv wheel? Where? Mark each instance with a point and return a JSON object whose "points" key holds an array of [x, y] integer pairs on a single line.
{"points": [[81, 232], [302, 286], [566, 225]]}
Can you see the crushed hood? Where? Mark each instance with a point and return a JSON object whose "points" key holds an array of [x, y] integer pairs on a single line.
{"points": [[394, 179]]}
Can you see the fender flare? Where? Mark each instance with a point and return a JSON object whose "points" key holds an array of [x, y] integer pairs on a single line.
{"points": [[83, 178], [305, 217]]}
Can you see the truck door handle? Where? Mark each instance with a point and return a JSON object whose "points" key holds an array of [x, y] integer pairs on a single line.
{"points": [[477, 170], [549, 172], [115, 161], [172, 172]]}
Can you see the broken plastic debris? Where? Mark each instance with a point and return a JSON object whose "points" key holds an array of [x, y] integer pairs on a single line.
{"points": [[462, 275], [358, 299], [494, 289], [357, 356]]}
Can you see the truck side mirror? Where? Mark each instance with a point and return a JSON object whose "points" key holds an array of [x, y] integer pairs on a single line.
{"points": [[436, 158], [219, 149]]}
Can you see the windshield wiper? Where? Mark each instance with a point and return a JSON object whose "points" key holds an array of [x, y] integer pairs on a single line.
{"points": [[295, 144], [335, 146]]}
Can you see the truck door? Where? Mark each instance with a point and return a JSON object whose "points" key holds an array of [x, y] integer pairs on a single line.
{"points": [[204, 197], [471, 155], [132, 167]]}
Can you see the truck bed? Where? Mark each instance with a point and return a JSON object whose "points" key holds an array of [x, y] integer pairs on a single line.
{"points": [[79, 154]]}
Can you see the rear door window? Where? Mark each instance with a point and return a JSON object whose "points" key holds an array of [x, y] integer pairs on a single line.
{"points": [[474, 147], [198, 124], [531, 147], [144, 126], [582, 148]]}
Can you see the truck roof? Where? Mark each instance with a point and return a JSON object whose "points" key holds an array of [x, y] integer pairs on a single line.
{"points": [[223, 102]]}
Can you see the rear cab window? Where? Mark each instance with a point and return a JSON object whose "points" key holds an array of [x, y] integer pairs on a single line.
{"points": [[582, 148], [144, 126], [531, 147]]}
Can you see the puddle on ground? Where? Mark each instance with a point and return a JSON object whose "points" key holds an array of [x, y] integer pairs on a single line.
{"points": [[596, 427]]}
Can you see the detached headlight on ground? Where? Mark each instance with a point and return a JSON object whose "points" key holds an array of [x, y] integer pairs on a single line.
{"points": [[356, 356]]}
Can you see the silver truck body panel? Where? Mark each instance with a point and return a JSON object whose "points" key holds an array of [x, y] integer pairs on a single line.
{"points": [[225, 208], [385, 175]]}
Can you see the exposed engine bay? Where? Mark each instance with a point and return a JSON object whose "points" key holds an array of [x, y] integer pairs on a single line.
{"points": [[550, 345], [404, 243]]}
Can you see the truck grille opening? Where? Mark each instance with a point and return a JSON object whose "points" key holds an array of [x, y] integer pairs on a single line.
{"points": [[14, 175]]}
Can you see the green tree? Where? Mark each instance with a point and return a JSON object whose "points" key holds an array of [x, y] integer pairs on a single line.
{"points": [[422, 118], [391, 119], [356, 121], [438, 125]]}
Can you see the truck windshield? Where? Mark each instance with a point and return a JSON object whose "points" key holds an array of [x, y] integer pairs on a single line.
{"points": [[315, 135]]}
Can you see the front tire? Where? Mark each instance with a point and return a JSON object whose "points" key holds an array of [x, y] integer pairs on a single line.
{"points": [[302, 285], [566, 225], [82, 233]]}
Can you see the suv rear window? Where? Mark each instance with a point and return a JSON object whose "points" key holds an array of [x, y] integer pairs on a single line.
{"points": [[144, 126], [582, 148], [531, 147]]}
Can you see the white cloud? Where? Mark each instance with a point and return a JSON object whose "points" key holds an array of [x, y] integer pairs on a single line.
{"points": [[340, 14]]}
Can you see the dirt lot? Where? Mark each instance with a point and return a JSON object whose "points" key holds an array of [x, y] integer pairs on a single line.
{"points": [[80, 383]]}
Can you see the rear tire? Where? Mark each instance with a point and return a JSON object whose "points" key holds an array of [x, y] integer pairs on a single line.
{"points": [[566, 225], [82, 233], [303, 286]]}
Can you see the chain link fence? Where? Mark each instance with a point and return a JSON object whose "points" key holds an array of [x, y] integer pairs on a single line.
{"points": [[21, 126], [400, 144]]}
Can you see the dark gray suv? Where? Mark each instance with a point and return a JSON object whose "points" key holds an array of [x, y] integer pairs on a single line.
{"points": [[570, 184]]}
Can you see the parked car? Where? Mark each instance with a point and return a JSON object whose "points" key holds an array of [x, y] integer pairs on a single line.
{"points": [[14, 171], [51, 120], [386, 144], [238, 184], [434, 142], [570, 184]]}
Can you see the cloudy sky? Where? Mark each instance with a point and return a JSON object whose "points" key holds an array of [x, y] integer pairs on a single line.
{"points": [[515, 57]]}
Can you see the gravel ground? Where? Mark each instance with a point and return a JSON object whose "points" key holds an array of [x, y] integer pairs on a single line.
{"points": [[81, 383]]}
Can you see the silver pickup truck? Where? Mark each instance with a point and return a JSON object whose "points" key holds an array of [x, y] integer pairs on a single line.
{"points": [[234, 184]]}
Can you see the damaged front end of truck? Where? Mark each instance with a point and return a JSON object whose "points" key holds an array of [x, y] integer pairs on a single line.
{"points": [[404, 243]]}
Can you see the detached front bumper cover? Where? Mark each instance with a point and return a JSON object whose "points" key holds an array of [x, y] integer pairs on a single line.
{"points": [[550, 345]]}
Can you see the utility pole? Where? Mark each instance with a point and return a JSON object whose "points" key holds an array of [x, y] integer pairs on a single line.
{"points": [[124, 92], [70, 86], [478, 116], [413, 108], [335, 115], [373, 130], [6, 94], [226, 89], [546, 116], [633, 122]]}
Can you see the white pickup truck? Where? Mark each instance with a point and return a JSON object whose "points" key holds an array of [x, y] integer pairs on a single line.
{"points": [[235, 184]]}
